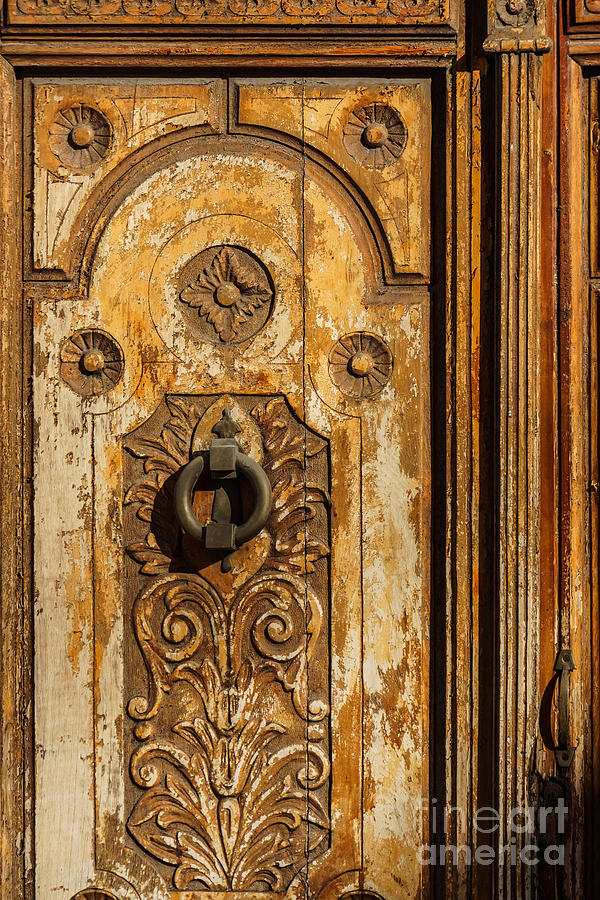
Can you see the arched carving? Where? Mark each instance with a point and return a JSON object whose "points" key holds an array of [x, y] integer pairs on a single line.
{"points": [[361, 895], [93, 894], [114, 189]]}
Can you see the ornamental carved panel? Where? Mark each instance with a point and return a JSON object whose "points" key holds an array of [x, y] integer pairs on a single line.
{"points": [[229, 293], [230, 739], [217, 12]]}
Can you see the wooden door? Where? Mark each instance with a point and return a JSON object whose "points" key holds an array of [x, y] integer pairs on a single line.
{"points": [[567, 768], [577, 617], [251, 720]]}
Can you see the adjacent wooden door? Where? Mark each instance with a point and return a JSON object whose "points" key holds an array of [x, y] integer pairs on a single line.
{"points": [[252, 722]]}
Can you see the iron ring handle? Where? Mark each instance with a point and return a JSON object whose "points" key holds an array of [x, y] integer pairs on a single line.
{"points": [[261, 487], [563, 751], [263, 499]]}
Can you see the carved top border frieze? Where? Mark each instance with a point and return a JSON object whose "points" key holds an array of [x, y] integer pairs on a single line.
{"points": [[229, 12], [517, 26]]}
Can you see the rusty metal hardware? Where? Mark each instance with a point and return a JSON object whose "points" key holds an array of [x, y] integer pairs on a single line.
{"points": [[226, 461], [563, 751]]}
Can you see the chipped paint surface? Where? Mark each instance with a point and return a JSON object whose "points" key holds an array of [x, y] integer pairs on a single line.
{"points": [[313, 240], [62, 617], [318, 113]]}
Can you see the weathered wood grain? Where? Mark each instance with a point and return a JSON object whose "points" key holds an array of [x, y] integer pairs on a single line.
{"points": [[577, 614], [133, 115], [15, 685]]}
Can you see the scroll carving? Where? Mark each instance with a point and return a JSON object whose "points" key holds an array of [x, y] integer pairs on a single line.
{"points": [[232, 761]]}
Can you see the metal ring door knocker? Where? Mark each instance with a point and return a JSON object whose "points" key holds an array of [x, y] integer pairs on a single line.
{"points": [[226, 461]]}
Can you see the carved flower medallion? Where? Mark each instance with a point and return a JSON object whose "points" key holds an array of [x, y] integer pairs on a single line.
{"points": [[375, 135], [360, 365], [80, 136], [231, 291], [91, 362]]}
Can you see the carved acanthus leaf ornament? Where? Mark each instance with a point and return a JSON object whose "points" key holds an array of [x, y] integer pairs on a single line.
{"points": [[232, 791]]}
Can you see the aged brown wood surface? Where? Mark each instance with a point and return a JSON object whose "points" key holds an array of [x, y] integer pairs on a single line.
{"points": [[579, 626], [520, 40], [13, 750], [264, 730]]}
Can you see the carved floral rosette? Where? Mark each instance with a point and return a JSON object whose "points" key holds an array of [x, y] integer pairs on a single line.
{"points": [[230, 746]]}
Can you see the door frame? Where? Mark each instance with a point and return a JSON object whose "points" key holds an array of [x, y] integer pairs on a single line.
{"points": [[464, 564]]}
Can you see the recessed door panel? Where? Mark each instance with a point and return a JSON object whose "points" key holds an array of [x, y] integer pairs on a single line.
{"points": [[218, 716]]}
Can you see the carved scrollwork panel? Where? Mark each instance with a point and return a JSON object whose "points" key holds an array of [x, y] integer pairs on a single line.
{"points": [[229, 755]]}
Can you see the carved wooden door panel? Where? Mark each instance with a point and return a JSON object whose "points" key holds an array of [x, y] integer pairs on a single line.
{"points": [[249, 261]]}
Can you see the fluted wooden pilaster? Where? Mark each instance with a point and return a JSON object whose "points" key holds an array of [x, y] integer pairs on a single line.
{"points": [[517, 37]]}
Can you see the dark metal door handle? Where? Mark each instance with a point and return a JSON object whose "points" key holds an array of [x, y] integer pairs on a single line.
{"points": [[226, 461], [563, 751]]}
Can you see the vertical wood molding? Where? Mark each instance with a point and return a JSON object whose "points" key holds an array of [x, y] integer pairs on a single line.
{"points": [[463, 545], [518, 551], [518, 301], [11, 672], [575, 594]]}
